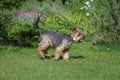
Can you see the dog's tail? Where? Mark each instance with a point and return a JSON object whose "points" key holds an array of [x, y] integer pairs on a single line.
{"points": [[36, 21]]}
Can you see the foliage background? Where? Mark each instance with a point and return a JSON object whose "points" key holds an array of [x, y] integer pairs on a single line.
{"points": [[101, 25]]}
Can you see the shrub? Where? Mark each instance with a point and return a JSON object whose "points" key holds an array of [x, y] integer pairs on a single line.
{"points": [[4, 23], [68, 20], [10, 4], [56, 18], [24, 34], [106, 17]]}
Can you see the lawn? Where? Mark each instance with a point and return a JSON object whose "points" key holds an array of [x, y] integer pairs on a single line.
{"points": [[87, 62]]}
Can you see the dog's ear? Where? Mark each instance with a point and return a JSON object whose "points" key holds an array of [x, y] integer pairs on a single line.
{"points": [[74, 30]]}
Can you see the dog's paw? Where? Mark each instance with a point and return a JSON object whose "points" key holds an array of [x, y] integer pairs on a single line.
{"points": [[55, 59]]}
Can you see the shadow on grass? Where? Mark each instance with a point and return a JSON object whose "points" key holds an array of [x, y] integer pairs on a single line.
{"points": [[71, 57], [78, 57]]}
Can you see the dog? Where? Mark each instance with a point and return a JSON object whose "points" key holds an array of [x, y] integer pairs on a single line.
{"points": [[56, 40]]}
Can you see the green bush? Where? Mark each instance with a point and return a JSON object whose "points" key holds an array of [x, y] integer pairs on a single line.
{"points": [[59, 18], [10, 4], [65, 22], [105, 16], [4, 23], [23, 33]]}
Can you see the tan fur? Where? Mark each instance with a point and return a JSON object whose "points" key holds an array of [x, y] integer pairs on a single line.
{"points": [[43, 47], [66, 54]]}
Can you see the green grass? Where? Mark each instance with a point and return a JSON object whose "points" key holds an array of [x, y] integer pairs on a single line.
{"points": [[87, 62]]}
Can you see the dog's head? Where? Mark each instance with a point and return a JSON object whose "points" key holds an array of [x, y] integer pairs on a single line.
{"points": [[77, 35]]}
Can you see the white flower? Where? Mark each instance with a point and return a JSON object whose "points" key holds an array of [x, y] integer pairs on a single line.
{"points": [[81, 8], [67, 3], [87, 14], [87, 3], [91, 0], [86, 7], [108, 49]]}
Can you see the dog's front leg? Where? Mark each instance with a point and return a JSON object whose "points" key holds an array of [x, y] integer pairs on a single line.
{"points": [[66, 54], [57, 53]]}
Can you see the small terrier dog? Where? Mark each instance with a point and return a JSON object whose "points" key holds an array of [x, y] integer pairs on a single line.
{"points": [[61, 42]]}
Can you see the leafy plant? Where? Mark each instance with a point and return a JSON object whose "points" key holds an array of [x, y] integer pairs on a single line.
{"points": [[23, 33], [4, 23], [106, 15]]}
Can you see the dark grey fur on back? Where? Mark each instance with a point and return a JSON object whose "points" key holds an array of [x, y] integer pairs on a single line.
{"points": [[56, 38]]}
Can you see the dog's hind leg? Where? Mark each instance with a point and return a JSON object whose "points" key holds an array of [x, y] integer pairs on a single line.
{"points": [[47, 55], [42, 47]]}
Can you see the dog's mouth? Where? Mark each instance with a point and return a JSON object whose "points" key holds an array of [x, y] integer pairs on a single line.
{"points": [[77, 41], [80, 41]]}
